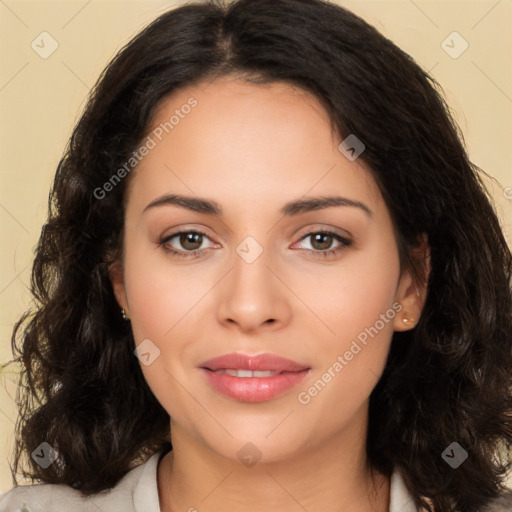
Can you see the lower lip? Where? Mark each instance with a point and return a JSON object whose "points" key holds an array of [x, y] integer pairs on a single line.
{"points": [[254, 389]]}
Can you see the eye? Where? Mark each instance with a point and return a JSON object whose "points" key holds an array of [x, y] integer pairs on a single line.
{"points": [[191, 243], [321, 242]]}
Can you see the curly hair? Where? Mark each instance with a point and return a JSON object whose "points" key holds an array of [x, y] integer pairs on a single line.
{"points": [[449, 379]]}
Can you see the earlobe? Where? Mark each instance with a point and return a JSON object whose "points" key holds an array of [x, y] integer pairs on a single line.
{"points": [[410, 300], [411, 292], [117, 280]]}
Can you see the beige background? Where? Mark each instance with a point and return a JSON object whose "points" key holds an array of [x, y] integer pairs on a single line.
{"points": [[40, 100]]}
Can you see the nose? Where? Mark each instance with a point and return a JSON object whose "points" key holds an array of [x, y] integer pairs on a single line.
{"points": [[253, 296]]}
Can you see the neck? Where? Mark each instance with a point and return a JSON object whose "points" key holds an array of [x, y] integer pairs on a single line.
{"points": [[331, 477]]}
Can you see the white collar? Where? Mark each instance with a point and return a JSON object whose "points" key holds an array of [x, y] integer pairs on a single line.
{"points": [[145, 494], [400, 498]]}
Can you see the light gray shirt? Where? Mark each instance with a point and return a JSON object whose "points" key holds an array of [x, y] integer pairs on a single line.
{"points": [[137, 491]]}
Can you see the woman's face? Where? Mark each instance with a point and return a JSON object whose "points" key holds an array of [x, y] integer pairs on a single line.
{"points": [[256, 279]]}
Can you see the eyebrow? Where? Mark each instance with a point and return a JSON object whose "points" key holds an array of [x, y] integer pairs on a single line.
{"points": [[292, 208]]}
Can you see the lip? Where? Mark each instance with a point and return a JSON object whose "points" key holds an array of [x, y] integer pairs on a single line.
{"points": [[260, 362], [253, 389]]}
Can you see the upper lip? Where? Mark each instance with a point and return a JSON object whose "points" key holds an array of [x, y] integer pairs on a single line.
{"points": [[261, 362]]}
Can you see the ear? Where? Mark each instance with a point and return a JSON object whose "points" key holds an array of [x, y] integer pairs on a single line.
{"points": [[412, 294], [117, 279]]}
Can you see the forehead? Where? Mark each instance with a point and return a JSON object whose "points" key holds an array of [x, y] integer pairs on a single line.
{"points": [[240, 140]]}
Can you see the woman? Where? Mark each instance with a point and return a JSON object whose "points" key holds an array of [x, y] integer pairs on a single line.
{"points": [[270, 280]]}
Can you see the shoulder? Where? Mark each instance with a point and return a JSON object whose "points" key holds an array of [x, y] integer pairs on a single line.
{"points": [[62, 498], [501, 504], [40, 498]]}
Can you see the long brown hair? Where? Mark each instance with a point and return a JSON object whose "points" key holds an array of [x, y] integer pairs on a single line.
{"points": [[449, 379]]}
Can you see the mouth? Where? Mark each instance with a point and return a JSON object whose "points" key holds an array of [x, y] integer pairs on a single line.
{"points": [[237, 362], [244, 374], [253, 378]]}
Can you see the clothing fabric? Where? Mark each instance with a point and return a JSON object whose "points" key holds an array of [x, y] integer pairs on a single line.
{"points": [[137, 491]]}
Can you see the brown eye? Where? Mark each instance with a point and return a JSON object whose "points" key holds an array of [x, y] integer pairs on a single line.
{"points": [[185, 243], [321, 243], [191, 241]]}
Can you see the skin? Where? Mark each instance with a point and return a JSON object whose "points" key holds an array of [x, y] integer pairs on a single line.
{"points": [[253, 148]]}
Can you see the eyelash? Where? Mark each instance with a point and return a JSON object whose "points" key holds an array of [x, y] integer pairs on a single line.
{"points": [[344, 243]]}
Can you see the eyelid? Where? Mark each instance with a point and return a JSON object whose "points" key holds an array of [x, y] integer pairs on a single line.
{"points": [[165, 239], [310, 230], [324, 228], [344, 242], [175, 230]]}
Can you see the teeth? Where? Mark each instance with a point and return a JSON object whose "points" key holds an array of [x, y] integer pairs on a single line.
{"points": [[248, 373]]}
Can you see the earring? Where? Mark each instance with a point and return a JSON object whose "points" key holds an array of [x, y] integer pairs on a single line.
{"points": [[123, 314], [408, 320]]}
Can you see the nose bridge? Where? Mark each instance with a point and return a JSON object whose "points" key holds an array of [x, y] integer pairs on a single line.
{"points": [[251, 276], [252, 295]]}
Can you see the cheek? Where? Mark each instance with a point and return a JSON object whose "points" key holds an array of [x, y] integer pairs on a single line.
{"points": [[161, 299], [165, 300], [352, 358], [160, 292], [351, 296]]}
